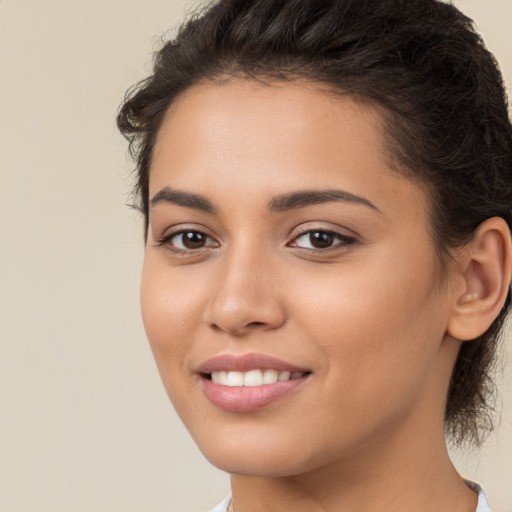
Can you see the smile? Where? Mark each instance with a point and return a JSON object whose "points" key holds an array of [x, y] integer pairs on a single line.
{"points": [[249, 382], [253, 377]]}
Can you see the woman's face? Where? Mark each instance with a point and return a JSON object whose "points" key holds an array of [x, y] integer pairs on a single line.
{"points": [[280, 240]]}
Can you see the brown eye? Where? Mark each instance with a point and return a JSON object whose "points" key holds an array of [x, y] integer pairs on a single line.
{"points": [[193, 239], [321, 239], [182, 241]]}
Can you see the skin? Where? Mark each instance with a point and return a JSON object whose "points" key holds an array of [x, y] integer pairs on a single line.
{"points": [[368, 317]]}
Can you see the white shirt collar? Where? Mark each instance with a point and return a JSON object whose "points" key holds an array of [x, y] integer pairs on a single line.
{"points": [[483, 505]]}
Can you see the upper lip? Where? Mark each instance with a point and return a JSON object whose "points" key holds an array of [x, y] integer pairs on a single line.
{"points": [[246, 362]]}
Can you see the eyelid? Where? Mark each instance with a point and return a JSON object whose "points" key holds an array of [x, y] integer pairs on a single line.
{"points": [[323, 225]]}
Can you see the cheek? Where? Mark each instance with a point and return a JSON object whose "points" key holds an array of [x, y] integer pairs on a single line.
{"points": [[170, 305], [378, 325]]}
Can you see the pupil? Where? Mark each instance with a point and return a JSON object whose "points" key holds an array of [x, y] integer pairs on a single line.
{"points": [[193, 240], [321, 239]]}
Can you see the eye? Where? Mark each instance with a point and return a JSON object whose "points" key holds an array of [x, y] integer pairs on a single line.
{"points": [[318, 239], [187, 240]]}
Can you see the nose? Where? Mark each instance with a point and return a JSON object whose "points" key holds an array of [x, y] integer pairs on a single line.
{"points": [[246, 295]]}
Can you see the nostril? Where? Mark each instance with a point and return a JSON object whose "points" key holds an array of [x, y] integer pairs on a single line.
{"points": [[239, 317]]}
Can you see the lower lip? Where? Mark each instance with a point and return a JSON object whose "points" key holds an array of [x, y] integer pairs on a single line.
{"points": [[248, 398]]}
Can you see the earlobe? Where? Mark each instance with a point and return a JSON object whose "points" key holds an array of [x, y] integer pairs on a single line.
{"points": [[485, 267]]}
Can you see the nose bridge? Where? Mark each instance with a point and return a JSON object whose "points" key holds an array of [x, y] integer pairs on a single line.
{"points": [[246, 294]]}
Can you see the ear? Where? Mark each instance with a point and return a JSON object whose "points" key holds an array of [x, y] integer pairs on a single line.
{"points": [[484, 269]]}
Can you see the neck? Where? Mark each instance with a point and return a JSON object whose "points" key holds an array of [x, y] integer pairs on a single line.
{"points": [[418, 477]]}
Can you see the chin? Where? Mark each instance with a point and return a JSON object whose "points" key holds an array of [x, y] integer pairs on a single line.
{"points": [[265, 466], [265, 456]]}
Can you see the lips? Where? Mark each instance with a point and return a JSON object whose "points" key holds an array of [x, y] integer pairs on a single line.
{"points": [[249, 382], [246, 362]]}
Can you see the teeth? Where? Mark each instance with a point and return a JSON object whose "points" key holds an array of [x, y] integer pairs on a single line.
{"points": [[235, 379], [252, 377], [270, 376]]}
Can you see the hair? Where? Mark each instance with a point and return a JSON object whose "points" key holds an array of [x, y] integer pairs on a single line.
{"points": [[422, 64]]}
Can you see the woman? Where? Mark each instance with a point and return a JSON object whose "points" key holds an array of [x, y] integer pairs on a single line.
{"points": [[326, 191]]}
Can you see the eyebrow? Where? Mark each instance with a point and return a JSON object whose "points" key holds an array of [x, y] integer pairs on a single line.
{"points": [[281, 203], [304, 198], [187, 199]]}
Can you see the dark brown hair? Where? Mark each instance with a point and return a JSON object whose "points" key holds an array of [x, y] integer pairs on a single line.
{"points": [[428, 70]]}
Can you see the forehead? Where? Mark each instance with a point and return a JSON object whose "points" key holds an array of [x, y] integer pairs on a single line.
{"points": [[275, 138], [243, 111]]}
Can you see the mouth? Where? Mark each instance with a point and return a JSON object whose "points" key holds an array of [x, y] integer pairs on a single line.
{"points": [[257, 377], [250, 382]]}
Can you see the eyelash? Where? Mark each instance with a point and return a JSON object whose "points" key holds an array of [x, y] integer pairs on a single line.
{"points": [[344, 241], [166, 239]]}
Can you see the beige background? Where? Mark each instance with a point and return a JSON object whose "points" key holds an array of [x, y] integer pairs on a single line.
{"points": [[84, 421]]}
